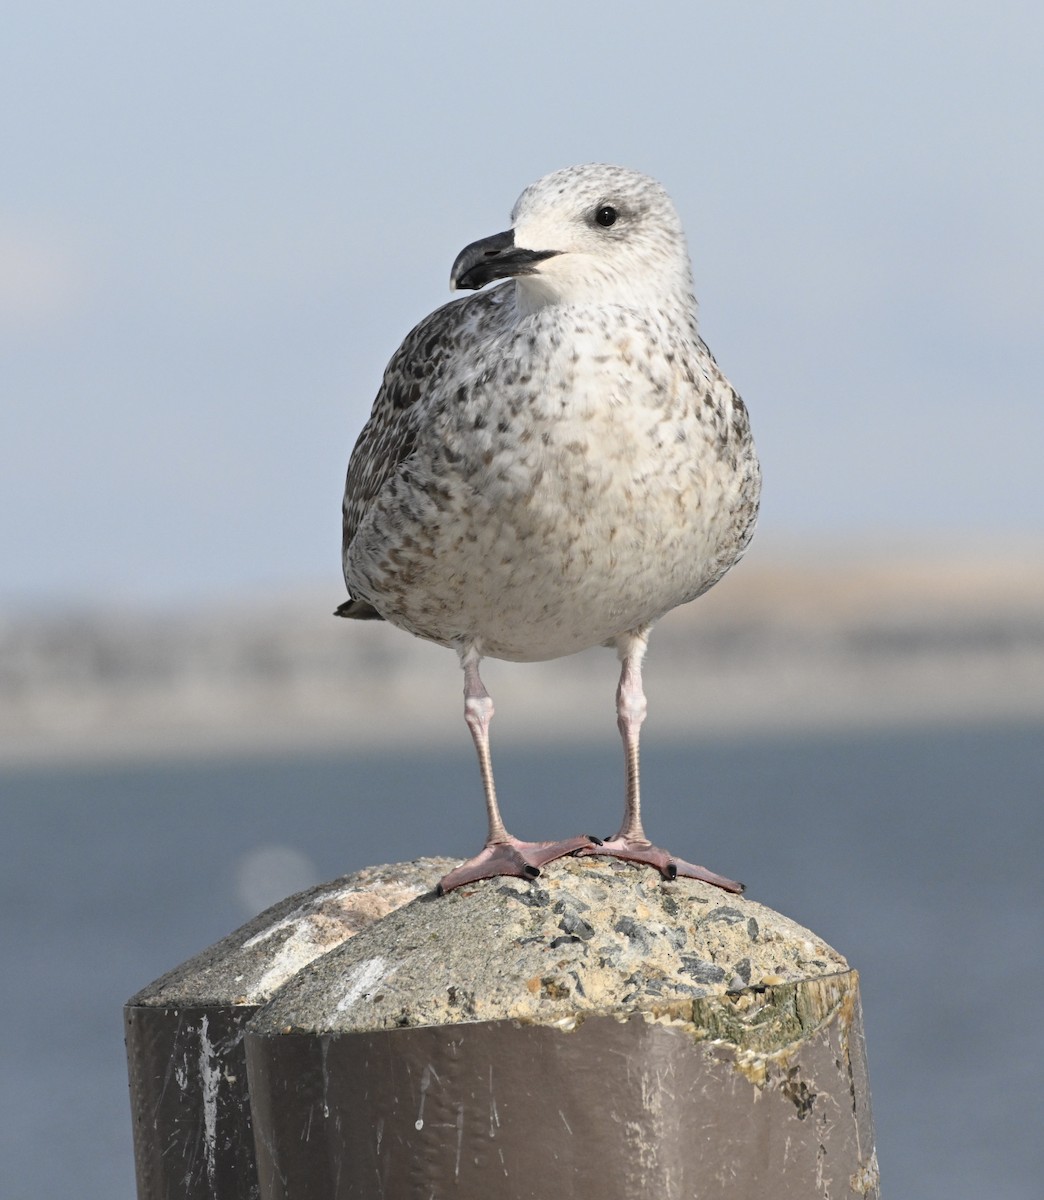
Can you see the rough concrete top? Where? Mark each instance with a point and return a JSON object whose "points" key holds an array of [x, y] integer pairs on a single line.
{"points": [[589, 936], [249, 965]]}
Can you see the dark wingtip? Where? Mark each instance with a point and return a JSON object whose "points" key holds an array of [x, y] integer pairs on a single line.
{"points": [[357, 610]]}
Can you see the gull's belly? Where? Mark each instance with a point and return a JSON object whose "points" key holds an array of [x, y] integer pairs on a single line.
{"points": [[540, 547], [547, 596]]}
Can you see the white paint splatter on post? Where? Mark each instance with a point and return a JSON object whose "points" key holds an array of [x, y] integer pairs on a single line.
{"points": [[363, 979], [210, 1080]]}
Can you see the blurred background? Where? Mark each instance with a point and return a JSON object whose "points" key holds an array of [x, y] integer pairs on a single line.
{"points": [[216, 225]]}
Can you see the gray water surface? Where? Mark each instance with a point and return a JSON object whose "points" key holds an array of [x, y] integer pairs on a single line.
{"points": [[917, 855]]}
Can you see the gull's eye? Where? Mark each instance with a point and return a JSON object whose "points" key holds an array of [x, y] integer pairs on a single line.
{"points": [[606, 216]]}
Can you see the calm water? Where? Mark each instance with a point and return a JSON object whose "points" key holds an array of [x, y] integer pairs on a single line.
{"points": [[917, 855]]}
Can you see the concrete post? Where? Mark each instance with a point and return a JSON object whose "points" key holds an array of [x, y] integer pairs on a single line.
{"points": [[193, 1136], [596, 1034]]}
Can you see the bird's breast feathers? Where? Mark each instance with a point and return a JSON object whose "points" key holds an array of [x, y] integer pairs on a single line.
{"points": [[592, 469]]}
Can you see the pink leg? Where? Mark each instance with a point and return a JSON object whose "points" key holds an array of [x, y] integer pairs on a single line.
{"points": [[502, 853], [630, 842]]}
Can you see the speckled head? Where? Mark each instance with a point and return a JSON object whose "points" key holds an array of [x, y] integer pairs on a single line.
{"points": [[590, 234]]}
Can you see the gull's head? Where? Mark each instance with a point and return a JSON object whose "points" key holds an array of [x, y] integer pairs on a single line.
{"points": [[593, 234]]}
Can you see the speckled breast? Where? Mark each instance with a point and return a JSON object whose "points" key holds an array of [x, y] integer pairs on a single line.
{"points": [[536, 522]]}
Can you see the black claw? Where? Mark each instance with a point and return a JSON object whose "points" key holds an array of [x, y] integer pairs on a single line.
{"points": [[531, 871], [671, 871], [597, 840]]}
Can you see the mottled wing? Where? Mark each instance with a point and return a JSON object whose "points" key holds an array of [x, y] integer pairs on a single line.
{"points": [[403, 406], [734, 443], [389, 436]]}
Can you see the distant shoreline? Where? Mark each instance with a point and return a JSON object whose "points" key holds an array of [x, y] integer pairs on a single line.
{"points": [[777, 648]]}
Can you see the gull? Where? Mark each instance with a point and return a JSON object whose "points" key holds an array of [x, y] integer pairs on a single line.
{"points": [[552, 464]]}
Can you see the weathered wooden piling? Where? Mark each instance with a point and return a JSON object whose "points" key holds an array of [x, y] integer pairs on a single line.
{"points": [[596, 1033], [193, 1135]]}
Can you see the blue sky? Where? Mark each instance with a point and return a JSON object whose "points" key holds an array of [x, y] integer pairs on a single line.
{"points": [[218, 221]]}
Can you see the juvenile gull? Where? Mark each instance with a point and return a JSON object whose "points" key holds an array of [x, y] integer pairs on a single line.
{"points": [[554, 464]]}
